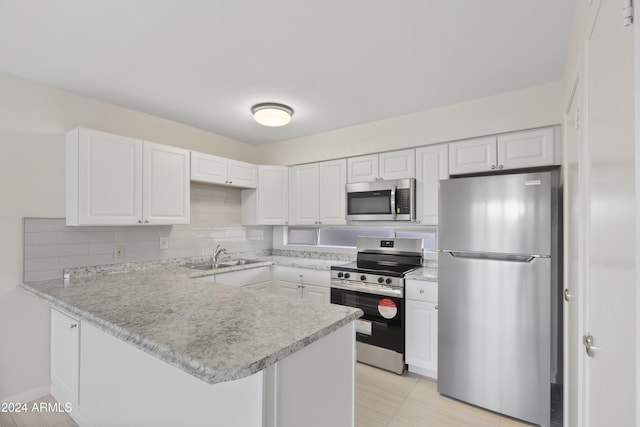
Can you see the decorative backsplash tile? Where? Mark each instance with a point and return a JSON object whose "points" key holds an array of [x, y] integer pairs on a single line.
{"points": [[50, 246]]}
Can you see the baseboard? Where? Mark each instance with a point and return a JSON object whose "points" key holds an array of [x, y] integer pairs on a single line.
{"points": [[431, 374], [28, 396]]}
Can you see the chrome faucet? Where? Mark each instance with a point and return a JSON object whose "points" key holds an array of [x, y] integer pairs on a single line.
{"points": [[216, 253]]}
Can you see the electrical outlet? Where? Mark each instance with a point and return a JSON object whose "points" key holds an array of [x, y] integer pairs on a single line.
{"points": [[164, 243], [118, 252]]}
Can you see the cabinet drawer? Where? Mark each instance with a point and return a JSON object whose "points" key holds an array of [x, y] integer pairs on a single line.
{"points": [[309, 276], [421, 291], [244, 277]]}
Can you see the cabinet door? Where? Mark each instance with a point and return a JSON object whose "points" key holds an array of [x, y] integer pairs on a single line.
{"points": [[260, 287], [304, 200], [166, 184], [472, 155], [242, 174], [333, 179], [246, 277], [289, 289], [108, 179], [422, 337], [273, 195], [65, 353], [526, 149], [399, 164], [208, 168], [316, 294], [362, 168], [432, 165]]}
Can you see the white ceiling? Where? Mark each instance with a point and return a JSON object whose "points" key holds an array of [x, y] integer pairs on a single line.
{"points": [[337, 63]]}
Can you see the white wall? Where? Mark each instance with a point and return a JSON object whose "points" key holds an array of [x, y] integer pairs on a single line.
{"points": [[523, 109], [33, 119]]}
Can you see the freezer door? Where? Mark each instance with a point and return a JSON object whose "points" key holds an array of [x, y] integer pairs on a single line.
{"points": [[498, 213], [494, 334]]}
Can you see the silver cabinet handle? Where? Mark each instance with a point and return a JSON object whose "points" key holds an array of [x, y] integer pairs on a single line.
{"points": [[587, 340], [422, 291], [139, 221], [493, 166], [500, 167], [567, 295], [73, 325], [437, 307], [146, 221]]}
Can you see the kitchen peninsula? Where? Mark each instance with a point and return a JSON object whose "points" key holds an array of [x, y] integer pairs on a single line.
{"points": [[156, 347]]}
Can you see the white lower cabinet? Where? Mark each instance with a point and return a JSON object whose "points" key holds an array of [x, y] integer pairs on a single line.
{"points": [[251, 278], [65, 357], [305, 283], [421, 332]]}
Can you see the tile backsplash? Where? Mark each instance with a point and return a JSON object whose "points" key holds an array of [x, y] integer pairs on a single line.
{"points": [[50, 246]]}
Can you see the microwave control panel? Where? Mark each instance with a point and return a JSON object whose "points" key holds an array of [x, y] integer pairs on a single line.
{"points": [[403, 201]]}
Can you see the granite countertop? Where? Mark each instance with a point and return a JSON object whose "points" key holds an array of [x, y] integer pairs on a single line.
{"points": [[214, 332], [427, 274]]}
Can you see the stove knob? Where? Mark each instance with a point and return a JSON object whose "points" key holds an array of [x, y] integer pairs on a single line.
{"points": [[388, 281], [380, 279], [347, 275], [363, 277], [340, 274]]}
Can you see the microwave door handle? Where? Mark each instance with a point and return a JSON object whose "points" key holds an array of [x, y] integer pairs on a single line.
{"points": [[393, 202]]}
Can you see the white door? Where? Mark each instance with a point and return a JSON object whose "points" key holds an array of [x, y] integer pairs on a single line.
{"points": [[166, 184], [242, 174], [574, 217], [303, 194], [526, 149], [273, 195], [288, 289], [363, 168], [65, 352], [399, 164], [610, 286], [109, 179], [472, 155], [432, 165], [422, 337], [333, 178], [208, 168], [316, 294]]}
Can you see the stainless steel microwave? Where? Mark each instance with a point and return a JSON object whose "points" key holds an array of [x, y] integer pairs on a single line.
{"points": [[382, 200]]}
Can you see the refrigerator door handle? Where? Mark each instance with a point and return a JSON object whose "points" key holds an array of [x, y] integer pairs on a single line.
{"points": [[494, 256]]}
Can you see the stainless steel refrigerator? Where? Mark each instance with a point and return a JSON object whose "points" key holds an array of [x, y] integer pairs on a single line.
{"points": [[499, 320]]}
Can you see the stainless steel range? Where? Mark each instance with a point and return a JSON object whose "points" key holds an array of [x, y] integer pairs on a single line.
{"points": [[375, 284]]}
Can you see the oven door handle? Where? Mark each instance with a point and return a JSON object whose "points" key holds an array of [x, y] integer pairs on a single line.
{"points": [[374, 290]]}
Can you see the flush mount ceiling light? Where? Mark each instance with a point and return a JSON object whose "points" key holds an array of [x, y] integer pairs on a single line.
{"points": [[272, 114]]}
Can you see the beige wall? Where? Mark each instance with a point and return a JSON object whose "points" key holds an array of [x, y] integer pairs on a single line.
{"points": [[35, 108], [523, 109]]}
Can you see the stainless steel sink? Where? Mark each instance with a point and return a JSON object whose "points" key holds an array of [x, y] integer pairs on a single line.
{"points": [[222, 264]]}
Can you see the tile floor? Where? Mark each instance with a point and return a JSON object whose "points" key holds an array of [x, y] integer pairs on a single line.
{"points": [[383, 399]]}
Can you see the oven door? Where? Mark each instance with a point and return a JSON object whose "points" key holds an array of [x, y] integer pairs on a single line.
{"points": [[382, 323]]}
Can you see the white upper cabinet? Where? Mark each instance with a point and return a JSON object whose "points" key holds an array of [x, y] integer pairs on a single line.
{"points": [[526, 149], [317, 193], [389, 165], [166, 184], [516, 150], [432, 165], [116, 180], [472, 155], [268, 204], [219, 170]]}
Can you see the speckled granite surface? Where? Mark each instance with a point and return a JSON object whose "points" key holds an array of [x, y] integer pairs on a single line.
{"points": [[427, 274], [214, 332]]}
